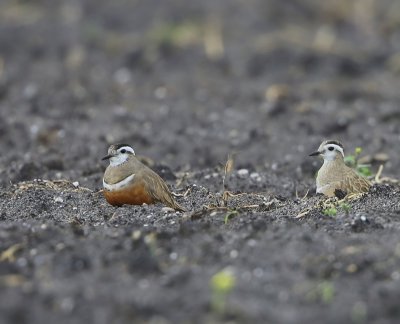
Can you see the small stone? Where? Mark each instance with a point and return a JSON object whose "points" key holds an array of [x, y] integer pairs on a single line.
{"points": [[160, 93], [381, 157], [395, 275], [255, 176], [243, 173], [122, 76], [276, 92], [75, 184], [58, 199], [167, 210], [136, 235], [30, 91], [351, 268]]}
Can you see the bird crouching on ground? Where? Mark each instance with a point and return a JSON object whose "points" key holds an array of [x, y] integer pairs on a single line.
{"points": [[335, 178], [128, 181]]}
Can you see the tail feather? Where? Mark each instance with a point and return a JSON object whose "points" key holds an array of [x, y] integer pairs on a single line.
{"points": [[171, 202], [160, 191]]}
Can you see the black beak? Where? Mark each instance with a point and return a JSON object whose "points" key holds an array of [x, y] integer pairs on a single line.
{"points": [[315, 153], [107, 157]]}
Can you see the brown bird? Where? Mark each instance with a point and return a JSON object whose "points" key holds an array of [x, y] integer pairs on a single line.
{"points": [[128, 181], [335, 176]]}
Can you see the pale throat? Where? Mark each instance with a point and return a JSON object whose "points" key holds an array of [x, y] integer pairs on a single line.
{"points": [[118, 160], [332, 159], [329, 158]]}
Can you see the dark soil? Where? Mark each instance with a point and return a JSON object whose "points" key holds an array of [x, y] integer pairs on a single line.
{"points": [[187, 83]]}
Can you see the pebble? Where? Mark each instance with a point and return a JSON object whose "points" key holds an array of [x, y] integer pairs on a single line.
{"points": [[58, 199], [136, 235], [256, 176], [243, 173], [381, 157], [122, 76], [167, 210], [75, 184]]}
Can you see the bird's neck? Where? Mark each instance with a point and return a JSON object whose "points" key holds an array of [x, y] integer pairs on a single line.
{"points": [[328, 163]]}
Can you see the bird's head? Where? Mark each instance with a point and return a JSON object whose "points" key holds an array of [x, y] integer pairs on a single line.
{"points": [[118, 154], [330, 150]]}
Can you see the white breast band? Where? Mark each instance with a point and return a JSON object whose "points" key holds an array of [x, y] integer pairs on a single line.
{"points": [[118, 185]]}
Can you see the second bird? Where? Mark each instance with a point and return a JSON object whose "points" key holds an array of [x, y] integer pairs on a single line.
{"points": [[128, 181], [335, 177]]}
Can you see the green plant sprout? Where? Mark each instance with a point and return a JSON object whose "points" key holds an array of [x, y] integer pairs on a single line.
{"points": [[230, 214], [332, 211], [326, 291], [352, 161], [221, 285], [323, 291], [346, 207]]}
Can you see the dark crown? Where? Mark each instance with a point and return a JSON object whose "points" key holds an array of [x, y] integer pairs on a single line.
{"points": [[334, 142], [118, 146]]}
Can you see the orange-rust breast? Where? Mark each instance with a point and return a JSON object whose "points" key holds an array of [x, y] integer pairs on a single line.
{"points": [[133, 195]]}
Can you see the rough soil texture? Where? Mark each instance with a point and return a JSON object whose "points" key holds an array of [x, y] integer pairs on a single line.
{"points": [[186, 83]]}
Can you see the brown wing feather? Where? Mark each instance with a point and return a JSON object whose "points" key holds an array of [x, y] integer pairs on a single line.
{"points": [[158, 189], [354, 183]]}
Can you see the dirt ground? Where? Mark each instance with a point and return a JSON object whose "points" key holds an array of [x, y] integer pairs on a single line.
{"points": [[186, 83]]}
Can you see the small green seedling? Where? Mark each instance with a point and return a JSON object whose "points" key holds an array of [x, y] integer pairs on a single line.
{"points": [[346, 207], [327, 291], [221, 285], [352, 161], [332, 211], [230, 214], [323, 291]]}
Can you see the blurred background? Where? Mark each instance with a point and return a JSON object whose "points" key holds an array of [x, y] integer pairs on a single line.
{"points": [[187, 82]]}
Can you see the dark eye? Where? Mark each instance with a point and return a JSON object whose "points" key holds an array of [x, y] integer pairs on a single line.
{"points": [[123, 151], [331, 148]]}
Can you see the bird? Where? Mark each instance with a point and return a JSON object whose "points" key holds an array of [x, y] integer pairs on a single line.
{"points": [[335, 178], [128, 181]]}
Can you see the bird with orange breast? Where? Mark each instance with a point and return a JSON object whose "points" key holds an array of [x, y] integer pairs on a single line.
{"points": [[128, 181]]}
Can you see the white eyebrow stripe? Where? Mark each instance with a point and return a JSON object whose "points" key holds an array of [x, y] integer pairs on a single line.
{"points": [[337, 147], [127, 148], [118, 185]]}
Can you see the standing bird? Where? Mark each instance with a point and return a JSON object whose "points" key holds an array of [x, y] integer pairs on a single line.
{"points": [[128, 181], [335, 177]]}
